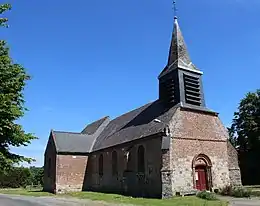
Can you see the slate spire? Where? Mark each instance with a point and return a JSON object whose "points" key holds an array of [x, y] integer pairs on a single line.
{"points": [[180, 81], [178, 55], [178, 50]]}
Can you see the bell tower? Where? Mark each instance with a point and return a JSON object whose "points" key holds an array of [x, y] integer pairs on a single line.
{"points": [[180, 81]]}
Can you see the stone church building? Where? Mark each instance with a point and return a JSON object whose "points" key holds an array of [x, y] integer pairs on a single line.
{"points": [[174, 145]]}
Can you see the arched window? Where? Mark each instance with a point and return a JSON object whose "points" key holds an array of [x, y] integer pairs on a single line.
{"points": [[141, 162], [100, 165], [114, 163]]}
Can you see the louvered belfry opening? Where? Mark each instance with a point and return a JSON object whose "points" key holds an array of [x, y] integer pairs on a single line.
{"points": [[192, 90], [168, 89]]}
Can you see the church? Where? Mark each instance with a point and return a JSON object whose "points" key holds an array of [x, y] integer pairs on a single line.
{"points": [[173, 146]]}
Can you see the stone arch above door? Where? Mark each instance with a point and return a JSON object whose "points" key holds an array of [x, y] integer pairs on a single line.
{"points": [[201, 159], [201, 168]]}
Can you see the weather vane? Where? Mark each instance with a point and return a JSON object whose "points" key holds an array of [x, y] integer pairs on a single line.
{"points": [[174, 8]]}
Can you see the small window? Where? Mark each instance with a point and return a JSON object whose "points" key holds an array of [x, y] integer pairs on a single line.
{"points": [[114, 163], [100, 165], [141, 162], [49, 167]]}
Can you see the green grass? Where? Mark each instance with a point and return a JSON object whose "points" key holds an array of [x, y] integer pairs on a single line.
{"points": [[27, 192], [254, 190], [177, 201], [252, 186], [114, 198]]}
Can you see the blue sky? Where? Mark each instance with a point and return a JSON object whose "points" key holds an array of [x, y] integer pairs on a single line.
{"points": [[89, 59]]}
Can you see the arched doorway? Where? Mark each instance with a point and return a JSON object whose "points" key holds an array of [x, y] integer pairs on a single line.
{"points": [[201, 167]]}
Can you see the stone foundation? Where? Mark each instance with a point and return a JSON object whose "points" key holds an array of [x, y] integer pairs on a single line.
{"points": [[235, 177], [166, 184], [61, 189]]}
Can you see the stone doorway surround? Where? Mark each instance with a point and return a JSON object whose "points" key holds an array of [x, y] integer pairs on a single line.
{"points": [[202, 161]]}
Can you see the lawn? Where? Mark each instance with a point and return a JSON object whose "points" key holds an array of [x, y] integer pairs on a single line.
{"points": [[180, 201], [254, 190], [27, 192], [114, 198]]}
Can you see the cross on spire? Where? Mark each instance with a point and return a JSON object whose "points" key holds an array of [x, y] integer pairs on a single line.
{"points": [[174, 9]]}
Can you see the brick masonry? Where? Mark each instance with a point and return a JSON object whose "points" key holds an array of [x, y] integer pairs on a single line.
{"points": [[70, 172], [67, 172], [195, 133], [168, 171]]}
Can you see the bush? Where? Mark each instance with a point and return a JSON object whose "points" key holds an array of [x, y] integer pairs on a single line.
{"points": [[255, 193], [235, 191], [206, 195], [226, 191], [240, 192]]}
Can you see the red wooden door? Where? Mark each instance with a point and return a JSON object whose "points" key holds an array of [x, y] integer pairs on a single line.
{"points": [[201, 178]]}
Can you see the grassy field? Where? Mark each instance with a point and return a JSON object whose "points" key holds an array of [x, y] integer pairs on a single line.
{"points": [[113, 198]]}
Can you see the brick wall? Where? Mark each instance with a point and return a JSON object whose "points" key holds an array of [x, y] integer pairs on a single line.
{"points": [[197, 133], [70, 172], [184, 152], [127, 180]]}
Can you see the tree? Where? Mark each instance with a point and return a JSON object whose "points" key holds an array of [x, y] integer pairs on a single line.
{"points": [[232, 137], [245, 135], [3, 8], [37, 175], [15, 177], [13, 79], [245, 129]]}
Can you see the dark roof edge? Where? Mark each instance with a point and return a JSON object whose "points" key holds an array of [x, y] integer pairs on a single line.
{"points": [[47, 143], [73, 153], [100, 130], [128, 142], [67, 132], [199, 109], [54, 140], [103, 118]]}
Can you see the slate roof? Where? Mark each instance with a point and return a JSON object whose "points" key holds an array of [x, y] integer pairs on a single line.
{"points": [[178, 54], [79, 142], [92, 128], [104, 133], [72, 142], [134, 125]]}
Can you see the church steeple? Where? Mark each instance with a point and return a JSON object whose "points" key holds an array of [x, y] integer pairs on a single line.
{"points": [[180, 81], [178, 54], [178, 51]]}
